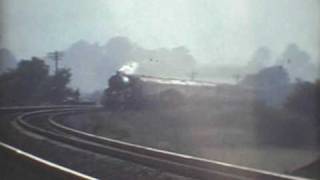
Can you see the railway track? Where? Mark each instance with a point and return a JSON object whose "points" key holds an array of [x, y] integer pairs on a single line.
{"points": [[51, 169], [175, 163]]}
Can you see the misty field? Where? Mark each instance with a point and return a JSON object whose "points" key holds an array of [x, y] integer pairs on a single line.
{"points": [[239, 132]]}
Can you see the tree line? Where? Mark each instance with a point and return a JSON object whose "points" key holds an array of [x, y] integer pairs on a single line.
{"points": [[30, 83]]}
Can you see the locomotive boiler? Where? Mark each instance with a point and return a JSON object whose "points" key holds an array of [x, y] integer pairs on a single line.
{"points": [[136, 91]]}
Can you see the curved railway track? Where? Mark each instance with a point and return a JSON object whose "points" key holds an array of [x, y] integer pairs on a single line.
{"points": [[175, 163]]}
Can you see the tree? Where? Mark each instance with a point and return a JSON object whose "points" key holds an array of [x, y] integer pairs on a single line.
{"points": [[7, 60], [305, 100], [31, 84], [271, 84], [21, 86], [298, 63], [267, 77], [260, 59], [58, 91]]}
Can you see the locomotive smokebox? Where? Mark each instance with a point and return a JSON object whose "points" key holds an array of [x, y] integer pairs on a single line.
{"points": [[119, 81], [123, 91]]}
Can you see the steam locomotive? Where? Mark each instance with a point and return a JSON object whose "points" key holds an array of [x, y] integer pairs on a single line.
{"points": [[123, 90], [136, 91]]}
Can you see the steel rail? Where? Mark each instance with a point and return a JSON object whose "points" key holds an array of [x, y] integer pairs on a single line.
{"points": [[36, 108], [121, 153], [185, 165], [188, 163], [41, 164]]}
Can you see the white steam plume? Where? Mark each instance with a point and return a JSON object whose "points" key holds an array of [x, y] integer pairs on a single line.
{"points": [[129, 68]]}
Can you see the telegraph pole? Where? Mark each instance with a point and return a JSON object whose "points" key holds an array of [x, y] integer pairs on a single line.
{"points": [[56, 56], [193, 75], [237, 77]]}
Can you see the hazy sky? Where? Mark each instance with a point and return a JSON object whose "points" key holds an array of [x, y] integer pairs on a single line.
{"points": [[220, 31]]}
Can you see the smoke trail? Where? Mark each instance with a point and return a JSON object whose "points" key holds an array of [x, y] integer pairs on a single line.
{"points": [[129, 68]]}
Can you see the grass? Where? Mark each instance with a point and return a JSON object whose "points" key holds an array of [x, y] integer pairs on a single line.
{"points": [[241, 131]]}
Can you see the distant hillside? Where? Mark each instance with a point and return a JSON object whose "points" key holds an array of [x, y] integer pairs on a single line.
{"points": [[92, 64], [299, 63], [7, 60]]}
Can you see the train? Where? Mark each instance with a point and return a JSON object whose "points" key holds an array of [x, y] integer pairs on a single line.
{"points": [[140, 91]]}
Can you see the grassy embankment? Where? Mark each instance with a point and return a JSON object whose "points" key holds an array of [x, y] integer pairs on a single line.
{"points": [[243, 132]]}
